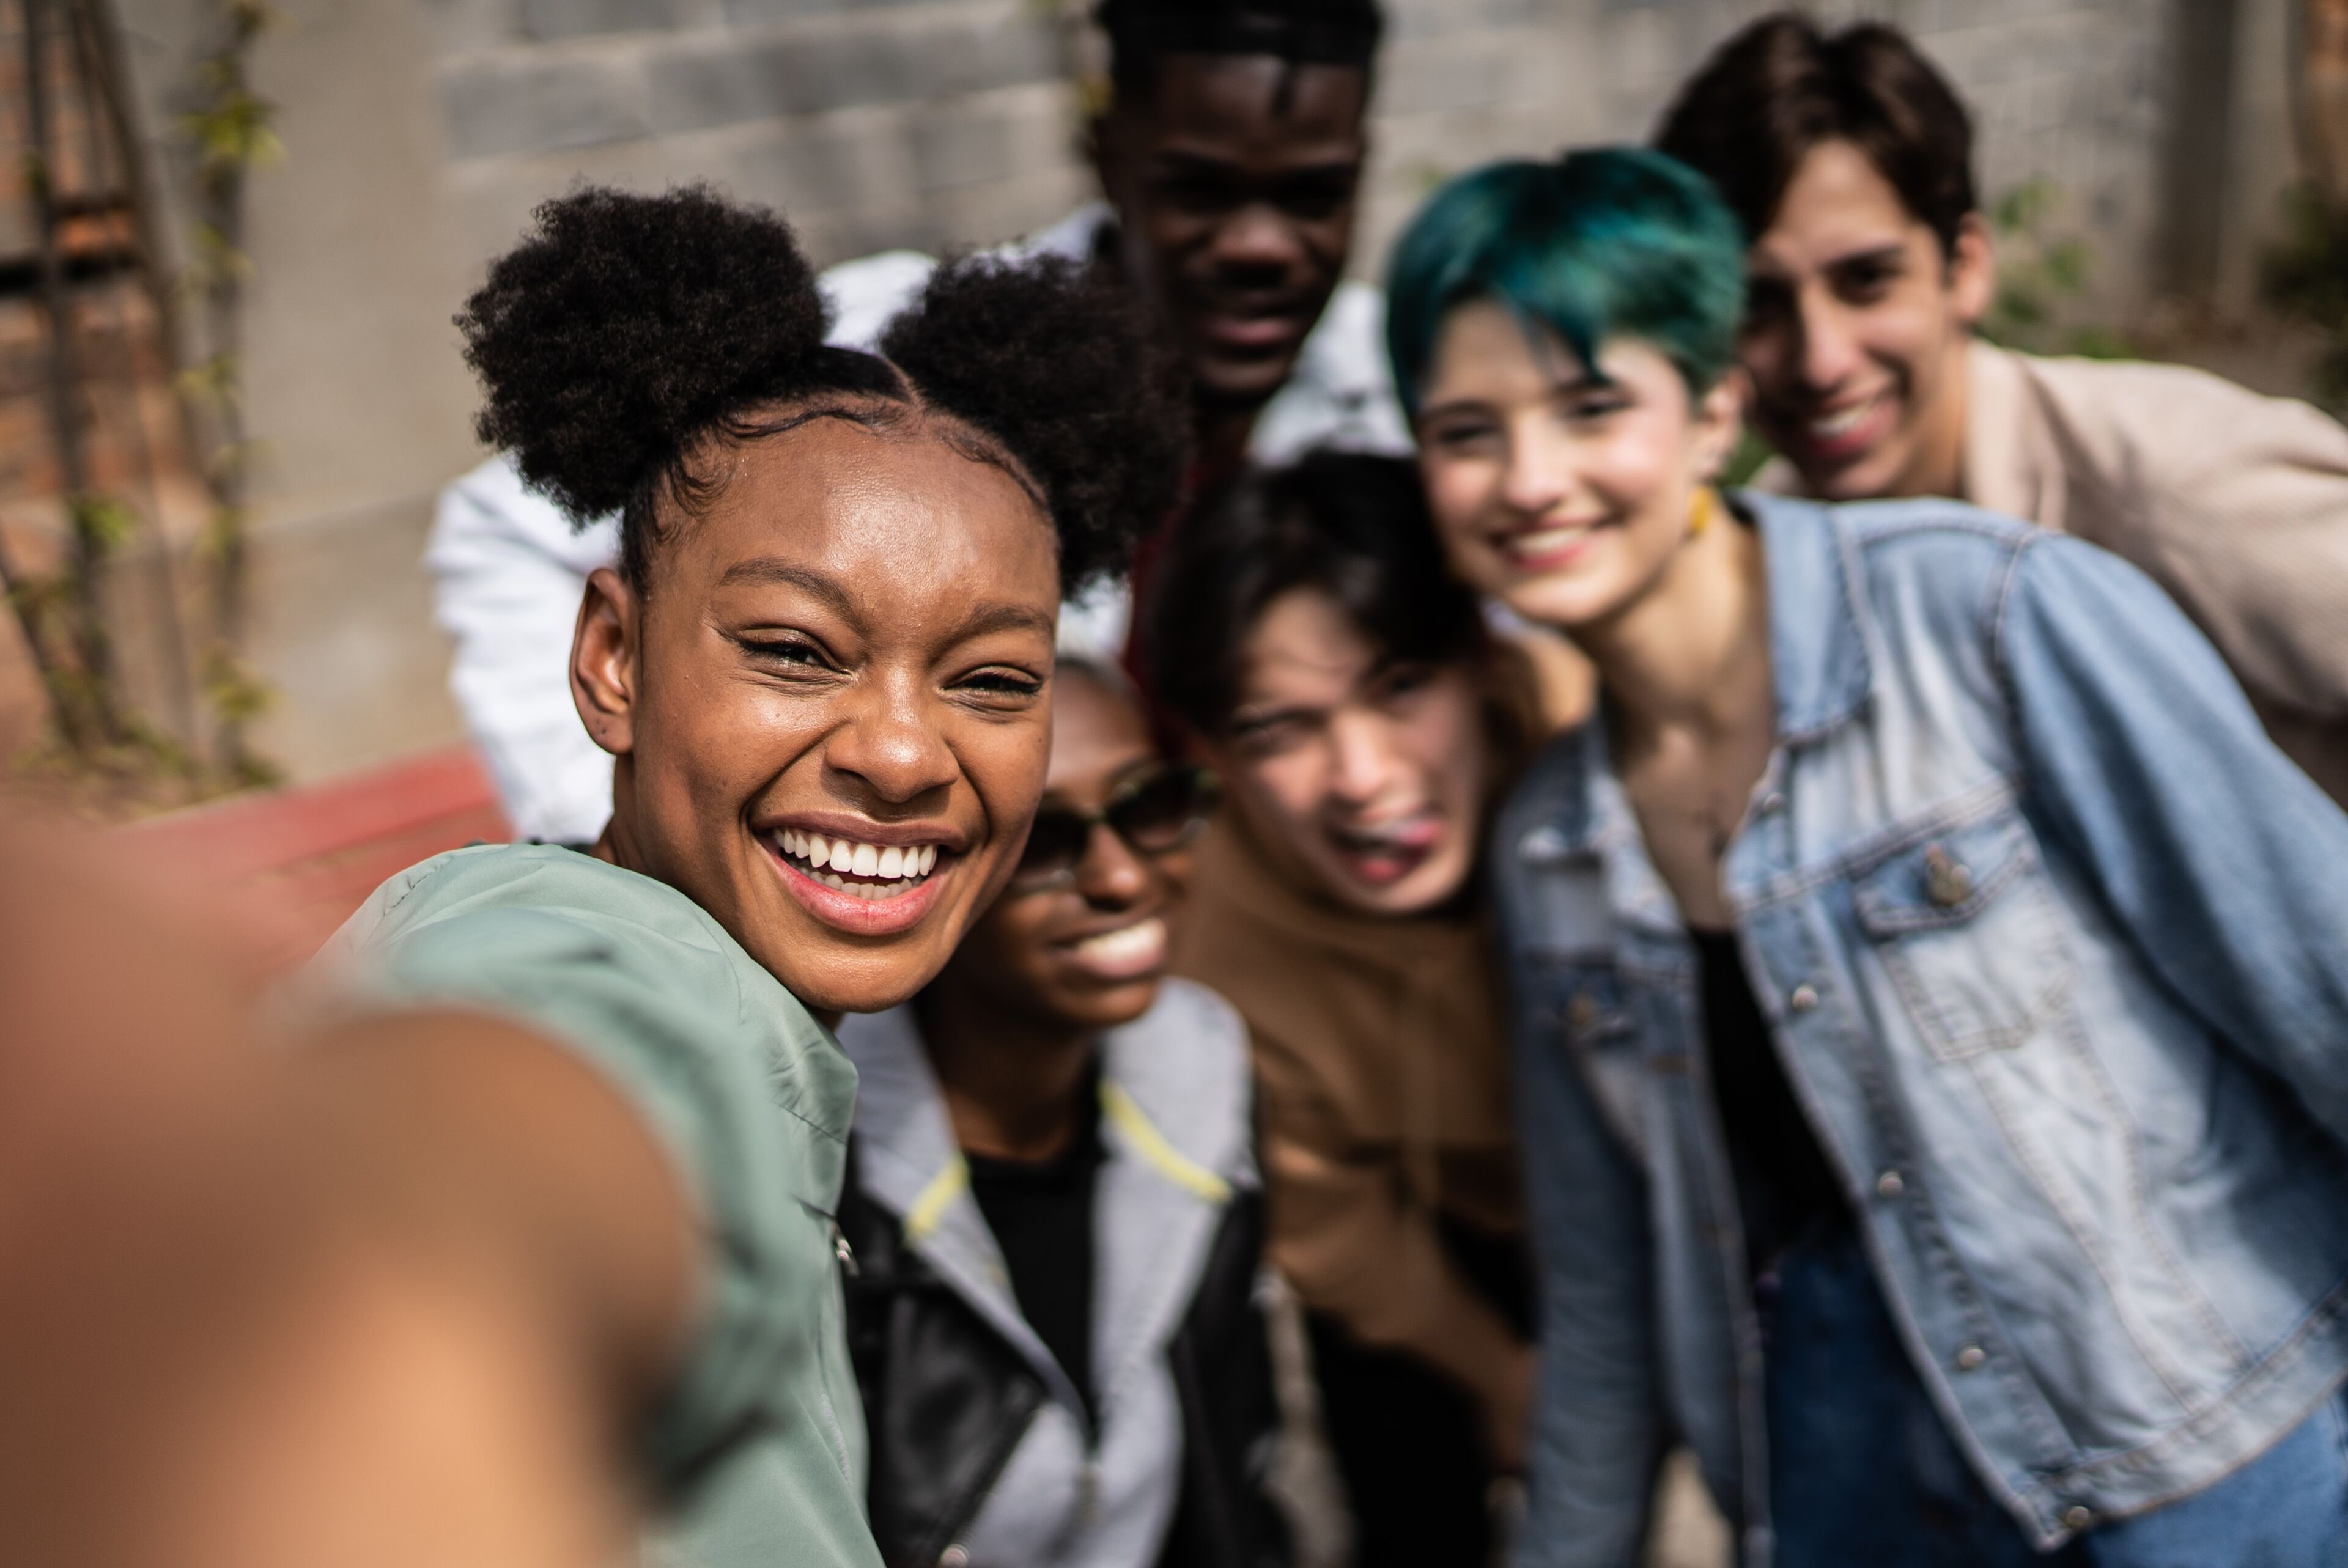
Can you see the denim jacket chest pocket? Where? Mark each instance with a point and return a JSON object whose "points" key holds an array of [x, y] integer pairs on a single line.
{"points": [[1971, 935]]}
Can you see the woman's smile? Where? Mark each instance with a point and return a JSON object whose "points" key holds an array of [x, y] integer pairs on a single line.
{"points": [[853, 881], [1548, 544], [1134, 950]]}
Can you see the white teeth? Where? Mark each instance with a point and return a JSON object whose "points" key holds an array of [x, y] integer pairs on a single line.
{"points": [[831, 861], [1542, 540], [1130, 944]]}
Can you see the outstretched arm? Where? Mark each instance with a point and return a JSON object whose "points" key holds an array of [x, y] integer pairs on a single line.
{"points": [[393, 1300]]}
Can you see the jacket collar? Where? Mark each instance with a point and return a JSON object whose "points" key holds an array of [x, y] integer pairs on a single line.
{"points": [[1820, 635], [1176, 1127]]}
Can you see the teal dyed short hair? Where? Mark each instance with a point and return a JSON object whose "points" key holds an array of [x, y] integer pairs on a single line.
{"points": [[1611, 242]]}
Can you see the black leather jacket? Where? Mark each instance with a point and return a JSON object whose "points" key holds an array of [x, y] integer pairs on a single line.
{"points": [[946, 1399]]}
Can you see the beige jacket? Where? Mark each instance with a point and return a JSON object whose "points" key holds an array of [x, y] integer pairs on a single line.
{"points": [[2235, 503], [1382, 1078]]}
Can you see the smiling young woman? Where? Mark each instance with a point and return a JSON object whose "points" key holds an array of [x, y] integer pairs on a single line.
{"points": [[597, 1090], [1055, 1206], [1919, 942]]}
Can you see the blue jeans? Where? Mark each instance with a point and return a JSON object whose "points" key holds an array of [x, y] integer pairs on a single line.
{"points": [[1864, 1475]]}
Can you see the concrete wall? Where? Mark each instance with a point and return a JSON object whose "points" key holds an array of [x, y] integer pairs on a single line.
{"points": [[422, 131]]}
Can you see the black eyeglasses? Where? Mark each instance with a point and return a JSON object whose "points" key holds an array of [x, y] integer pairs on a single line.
{"points": [[1154, 812]]}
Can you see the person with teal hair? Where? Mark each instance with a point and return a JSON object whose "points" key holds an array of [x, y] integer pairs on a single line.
{"points": [[1929, 978]]}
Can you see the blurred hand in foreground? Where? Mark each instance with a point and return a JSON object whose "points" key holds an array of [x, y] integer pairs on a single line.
{"points": [[389, 1297]]}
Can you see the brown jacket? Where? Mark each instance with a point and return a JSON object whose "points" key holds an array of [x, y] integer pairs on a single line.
{"points": [[1382, 1067], [2235, 503]]}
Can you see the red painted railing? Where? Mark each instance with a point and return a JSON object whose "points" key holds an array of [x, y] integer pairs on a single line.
{"points": [[305, 858]]}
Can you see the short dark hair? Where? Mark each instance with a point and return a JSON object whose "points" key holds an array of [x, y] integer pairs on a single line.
{"points": [[626, 333], [1300, 32], [1784, 84], [1351, 525]]}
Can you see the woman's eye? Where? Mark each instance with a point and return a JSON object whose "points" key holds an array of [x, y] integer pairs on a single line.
{"points": [[1002, 683], [1459, 435], [1592, 407], [790, 650]]}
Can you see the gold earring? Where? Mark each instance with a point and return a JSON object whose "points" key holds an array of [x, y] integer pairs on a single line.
{"points": [[1701, 507]]}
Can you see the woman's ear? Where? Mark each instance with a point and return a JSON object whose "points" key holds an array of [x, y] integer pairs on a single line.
{"points": [[1719, 422], [603, 662]]}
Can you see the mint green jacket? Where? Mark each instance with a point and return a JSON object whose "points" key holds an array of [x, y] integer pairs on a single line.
{"points": [[756, 1455]]}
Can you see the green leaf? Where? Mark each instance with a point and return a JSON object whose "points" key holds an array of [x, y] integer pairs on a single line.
{"points": [[103, 522]]}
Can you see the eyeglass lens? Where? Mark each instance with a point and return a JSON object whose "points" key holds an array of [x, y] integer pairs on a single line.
{"points": [[1157, 813]]}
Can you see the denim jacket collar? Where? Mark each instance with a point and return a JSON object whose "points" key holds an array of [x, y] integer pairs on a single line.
{"points": [[1819, 660]]}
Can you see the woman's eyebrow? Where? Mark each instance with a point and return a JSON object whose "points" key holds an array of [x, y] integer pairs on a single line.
{"points": [[773, 570], [986, 616], [1002, 615]]}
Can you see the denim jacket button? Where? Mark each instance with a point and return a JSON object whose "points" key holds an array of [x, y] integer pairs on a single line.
{"points": [[1582, 1012], [1970, 1358], [1890, 1184], [1802, 998], [1948, 882], [1771, 803], [2077, 1518]]}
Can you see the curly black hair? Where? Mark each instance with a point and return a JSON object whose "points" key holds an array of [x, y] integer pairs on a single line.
{"points": [[626, 333], [1056, 364]]}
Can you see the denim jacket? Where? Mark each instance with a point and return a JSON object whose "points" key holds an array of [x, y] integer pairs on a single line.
{"points": [[2054, 946]]}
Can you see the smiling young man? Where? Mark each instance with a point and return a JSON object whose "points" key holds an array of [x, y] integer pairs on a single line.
{"points": [[1848, 157], [1229, 152]]}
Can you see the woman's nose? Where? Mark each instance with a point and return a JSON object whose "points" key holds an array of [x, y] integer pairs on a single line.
{"points": [[1539, 473], [1112, 873], [888, 745]]}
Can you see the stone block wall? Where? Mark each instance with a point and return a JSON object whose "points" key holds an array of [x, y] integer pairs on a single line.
{"points": [[874, 125]]}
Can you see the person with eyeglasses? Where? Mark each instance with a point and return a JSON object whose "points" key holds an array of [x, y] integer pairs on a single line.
{"points": [[1344, 686], [1053, 1211]]}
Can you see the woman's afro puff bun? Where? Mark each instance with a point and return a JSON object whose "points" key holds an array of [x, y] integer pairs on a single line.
{"points": [[1064, 369], [626, 325]]}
